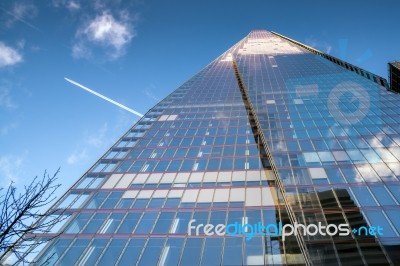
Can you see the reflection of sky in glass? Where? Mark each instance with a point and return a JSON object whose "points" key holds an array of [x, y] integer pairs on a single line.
{"points": [[318, 115]]}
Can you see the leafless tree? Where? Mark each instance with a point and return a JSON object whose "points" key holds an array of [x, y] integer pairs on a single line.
{"points": [[23, 219]]}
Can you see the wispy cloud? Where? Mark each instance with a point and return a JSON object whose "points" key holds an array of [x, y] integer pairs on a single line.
{"points": [[81, 50], [22, 12], [6, 100], [319, 44], [107, 32], [93, 141], [11, 169], [4, 130], [150, 94], [123, 121], [71, 5], [97, 140], [25, 10], [9, 56]]}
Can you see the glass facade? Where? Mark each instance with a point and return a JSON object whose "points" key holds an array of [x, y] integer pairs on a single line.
{"points": [[268, 133]]}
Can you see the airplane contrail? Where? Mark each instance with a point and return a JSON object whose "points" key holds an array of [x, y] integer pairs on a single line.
{"points": [[103, 97], [20, 19]]}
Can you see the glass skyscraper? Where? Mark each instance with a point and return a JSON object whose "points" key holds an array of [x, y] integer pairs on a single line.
{"points": [[271, 133]]}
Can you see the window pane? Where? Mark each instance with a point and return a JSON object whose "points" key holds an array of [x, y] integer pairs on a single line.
{"points": [[78, 224], [112, 200], [132, 252], [93, 252], [146, 223], [55, 252], [233, 251], [253, 251], [112, 223], [74, 252], [171, 252], [382, 195], [152, 252], [129, 223], [95, 223], [164, 223], [212, 251], [180, 223], [113, 252], [191, 253]]}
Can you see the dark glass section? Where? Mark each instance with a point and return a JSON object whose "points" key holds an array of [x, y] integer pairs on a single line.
{"points": [[394, 76]]}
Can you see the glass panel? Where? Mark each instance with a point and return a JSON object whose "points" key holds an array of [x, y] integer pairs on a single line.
{"points": [[146, 223], [191, 253], [376, 218], [129, 223], [95, 223], [164, 223], [253, 251], [112, 223], [233, 251], [180, 223], [55, 252], [113, 252], [394, 216], [132, 251], [152, 252], [212, 251], [171, 252], [363, 196], [97, 200], [125, 203], [93, 252], [382, 195], [78, 223], [73, 253]]}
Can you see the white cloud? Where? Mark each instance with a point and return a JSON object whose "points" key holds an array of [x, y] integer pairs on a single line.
{"points": [[9, 56], [77, 156], [71, 5], [106, 32], [10, 169]]}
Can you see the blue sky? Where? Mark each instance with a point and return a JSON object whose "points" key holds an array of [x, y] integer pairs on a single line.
{"points": [[137, 52]]}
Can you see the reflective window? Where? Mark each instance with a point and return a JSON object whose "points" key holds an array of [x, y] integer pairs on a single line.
{"points": [[132, 251], [129, 223], [171, 252], [232, 251], [191, 252], [72, 254], [146, 223]]}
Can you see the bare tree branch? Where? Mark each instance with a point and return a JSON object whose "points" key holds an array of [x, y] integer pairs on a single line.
{"points": [[22, 220]]}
